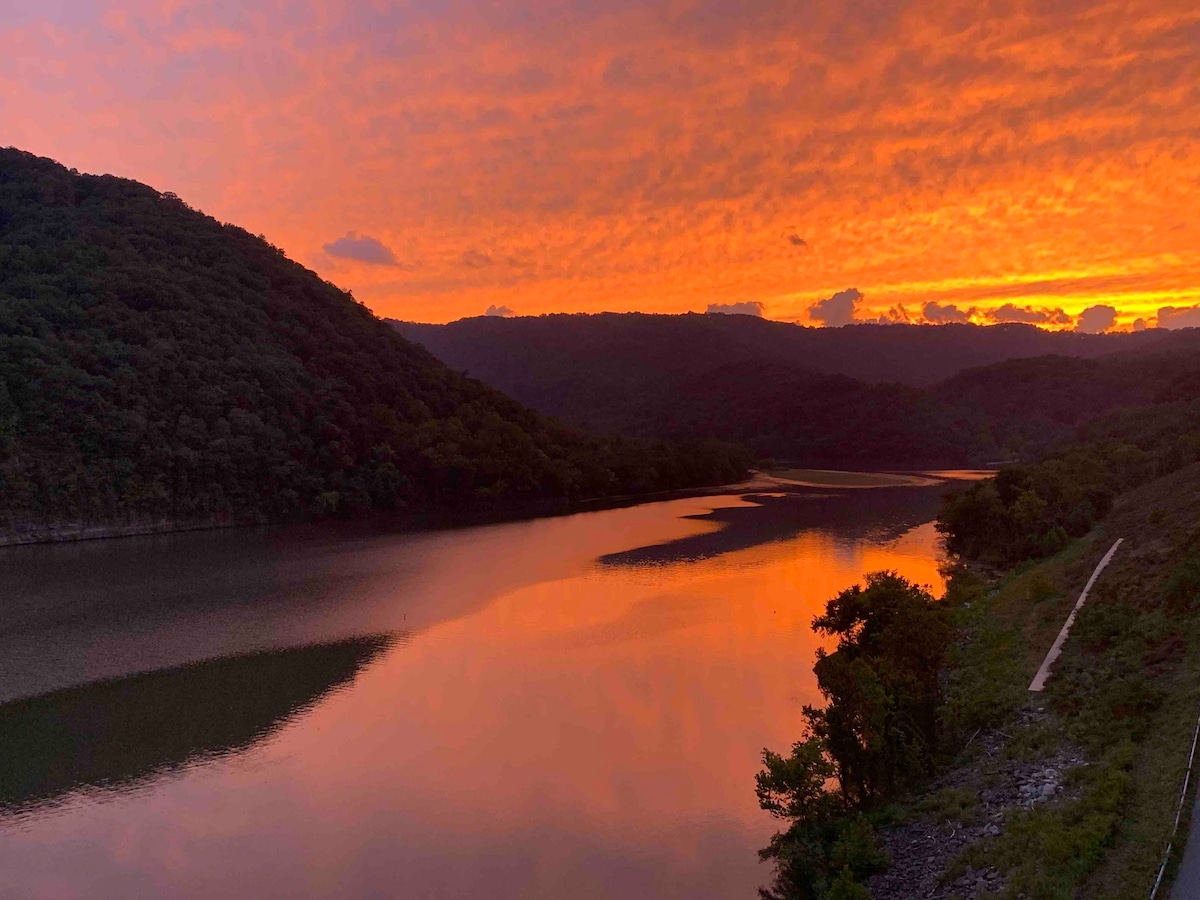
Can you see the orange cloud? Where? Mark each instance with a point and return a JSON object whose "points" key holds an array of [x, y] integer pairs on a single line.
{"points": [[661, 157]]}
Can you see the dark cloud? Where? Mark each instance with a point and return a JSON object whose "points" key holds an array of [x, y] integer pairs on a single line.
{"points": [[838, 310], [1028, 315], [1096, 319], [941, 313], [502, 311], [895, 315], [796, 241], [1139, 324], [745, 308], [1179, 317], [526, 80], [474, 259], [361, 249]]}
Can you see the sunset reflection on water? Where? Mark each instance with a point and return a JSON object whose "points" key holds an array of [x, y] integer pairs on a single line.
{"points": [[591, 730]]}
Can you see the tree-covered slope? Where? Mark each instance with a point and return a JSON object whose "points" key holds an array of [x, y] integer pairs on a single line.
{"points": [[783, 390], [154, 361], [730, 377]]}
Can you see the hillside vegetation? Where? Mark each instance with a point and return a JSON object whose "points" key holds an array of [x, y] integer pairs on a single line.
{"points": [[1031, 511], [855, 397], [156, 362], [1068, 793]]}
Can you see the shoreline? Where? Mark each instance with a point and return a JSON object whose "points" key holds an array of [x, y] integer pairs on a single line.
{"points": [[29, 533]]}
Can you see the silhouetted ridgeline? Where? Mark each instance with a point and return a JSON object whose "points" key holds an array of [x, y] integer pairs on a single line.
{"points": [[862, 396], [686, 345], [159, 367]]}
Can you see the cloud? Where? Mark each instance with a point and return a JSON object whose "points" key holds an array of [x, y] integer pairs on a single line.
{"points": [[896, 315], [745, 308], [893, 315], [648, 155], [942, 313], [474, 259], [501, 311], [361, 249], [838, 310], [1139, 324], [1028, 315], [1179, 317], [1096, 319], [796, 241]]}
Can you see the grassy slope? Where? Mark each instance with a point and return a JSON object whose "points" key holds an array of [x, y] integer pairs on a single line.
{"points": [[1161, 525], [1125, 689]]}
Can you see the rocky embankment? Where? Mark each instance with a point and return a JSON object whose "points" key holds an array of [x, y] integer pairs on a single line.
{"points": [[981, 797]]}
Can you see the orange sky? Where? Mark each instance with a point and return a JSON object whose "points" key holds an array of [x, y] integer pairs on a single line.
{"points": [[620, 155]]}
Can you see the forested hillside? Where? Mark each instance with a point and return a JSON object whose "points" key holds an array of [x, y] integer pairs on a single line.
{"points": [[776, 387], [154, 361]]}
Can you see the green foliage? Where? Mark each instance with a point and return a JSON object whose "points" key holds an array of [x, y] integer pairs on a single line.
{"points": [[793, 787], [880, 723], [1032, 511], [846, 887], [1124, 689], [951, 805], [823, 857], [877, 734], [1046, 851], [154, 361], [1182, 591]]}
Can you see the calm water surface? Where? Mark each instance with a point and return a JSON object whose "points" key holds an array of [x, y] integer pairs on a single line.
{"points": [[570, 707]]}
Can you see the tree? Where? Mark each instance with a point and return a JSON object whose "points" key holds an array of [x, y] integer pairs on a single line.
{"points": [[876, 734]]}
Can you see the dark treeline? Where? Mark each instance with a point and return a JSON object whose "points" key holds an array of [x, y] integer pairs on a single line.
{"points": [[691, 344], [1033, 510], [862, 396], [154, 361]]}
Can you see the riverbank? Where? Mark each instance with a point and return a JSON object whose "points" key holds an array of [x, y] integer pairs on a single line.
{"points": [[1070, 792], [28, 531], [21, 532], [16, 532]]}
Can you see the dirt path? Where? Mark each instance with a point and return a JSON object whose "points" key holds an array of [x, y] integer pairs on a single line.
{"points": [[1039, 680]]}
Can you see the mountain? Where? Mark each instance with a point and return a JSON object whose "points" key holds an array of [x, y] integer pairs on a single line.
{"points": [[544, 352], [791, 392], [158, 364]]}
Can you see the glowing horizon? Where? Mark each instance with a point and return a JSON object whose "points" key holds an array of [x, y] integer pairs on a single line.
{"points": [[439, 159]]}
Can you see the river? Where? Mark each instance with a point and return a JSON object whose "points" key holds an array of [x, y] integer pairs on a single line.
{"points": [[564, 707]]}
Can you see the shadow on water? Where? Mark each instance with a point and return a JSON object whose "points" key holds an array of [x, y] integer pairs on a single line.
{"points": [[116, 734], [876, 513]]}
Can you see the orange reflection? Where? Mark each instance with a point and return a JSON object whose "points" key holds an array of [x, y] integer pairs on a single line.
{"points": [[592, 732]]}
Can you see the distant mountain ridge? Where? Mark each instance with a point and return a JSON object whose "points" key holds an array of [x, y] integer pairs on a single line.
{"points": [[920, 355], [862, 396], [156, 364]]}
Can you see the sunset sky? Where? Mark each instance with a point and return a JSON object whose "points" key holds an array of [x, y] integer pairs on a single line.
{"points": [[1003, 160]]}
